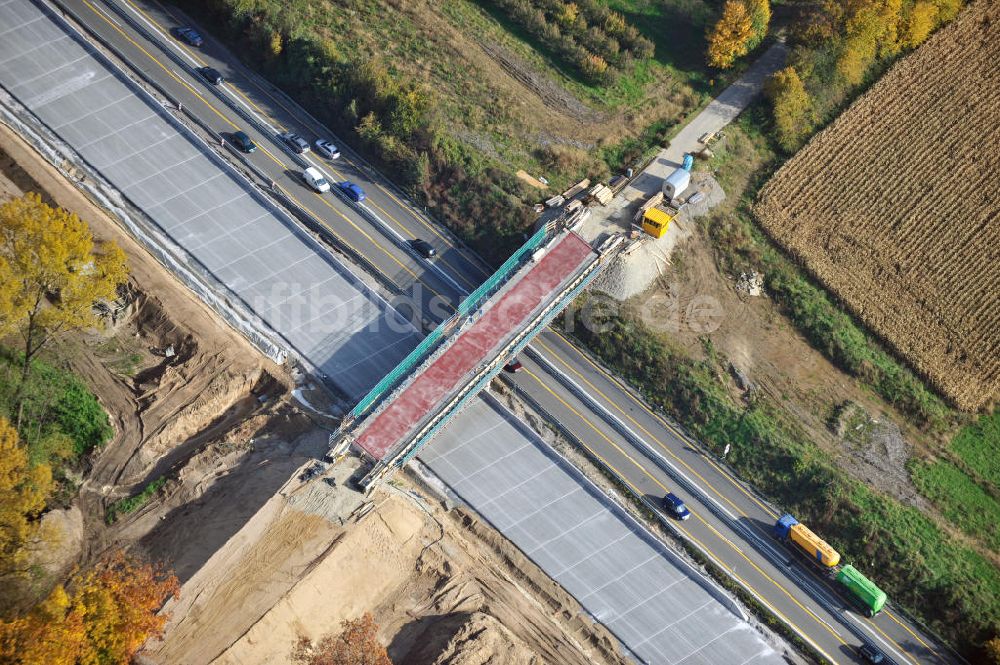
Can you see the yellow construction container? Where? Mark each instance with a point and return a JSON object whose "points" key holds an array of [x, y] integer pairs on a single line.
{"points": [[816, 547], [655, 222]]}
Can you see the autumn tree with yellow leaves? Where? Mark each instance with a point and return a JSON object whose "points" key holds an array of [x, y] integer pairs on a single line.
{"points": [[101, 617], [920, 22], [792, 108], [732, 35], [53, 272], [23, 492]]}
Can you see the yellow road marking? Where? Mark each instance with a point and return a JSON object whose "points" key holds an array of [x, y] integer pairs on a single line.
{"points": [[612, 402], [291, 112], [915, 636], [460, 276], [663, 446], [237, 90], [175, 77], [874, 625], [263, 149], [685, 531], [600, 370]]}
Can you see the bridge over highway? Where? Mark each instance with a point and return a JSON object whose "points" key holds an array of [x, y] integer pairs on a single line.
{"points": [[428, 387]]}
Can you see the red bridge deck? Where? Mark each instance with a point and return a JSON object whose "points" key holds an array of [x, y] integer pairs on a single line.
{"points": [[451, 369]]}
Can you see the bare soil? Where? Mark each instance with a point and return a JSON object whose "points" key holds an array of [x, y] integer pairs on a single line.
{"points": [[262, 556], [443, 587], [758, 341]]}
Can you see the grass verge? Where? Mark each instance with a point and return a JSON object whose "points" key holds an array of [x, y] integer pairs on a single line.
{"points": [[978, 446], [959, 498], [945, 584], [134, 503]]}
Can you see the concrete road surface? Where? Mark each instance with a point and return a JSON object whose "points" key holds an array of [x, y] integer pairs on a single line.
{"points": [[791, 592], [323, 312], [662, 609]]}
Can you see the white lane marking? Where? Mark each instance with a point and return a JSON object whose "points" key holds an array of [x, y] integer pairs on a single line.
{"points": [[109, 17]]}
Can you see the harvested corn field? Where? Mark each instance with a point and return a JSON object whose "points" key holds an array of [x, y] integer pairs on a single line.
{"points": [[895, 207]]}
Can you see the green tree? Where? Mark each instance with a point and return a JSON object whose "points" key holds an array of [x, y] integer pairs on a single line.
{"points": [[370, 129], [760, 19], [57, 273], [792, 108], [420, 172], [731, 36]]}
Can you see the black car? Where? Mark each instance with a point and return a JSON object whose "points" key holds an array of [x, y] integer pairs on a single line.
{"points": [[211, 74], [513, 367], [295, 142], [870, 654], [190, 35], [243, 142], [424, 248]]}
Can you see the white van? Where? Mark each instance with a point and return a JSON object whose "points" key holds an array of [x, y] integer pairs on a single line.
{"points": [[315, 179]]}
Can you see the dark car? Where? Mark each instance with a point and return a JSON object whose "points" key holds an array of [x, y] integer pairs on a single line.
{"points": [[243, 142], [190, 36], [514, 366], [211, 74], [424, 248], [675, 506], [870, 654], [352, 191], [295, 142]]}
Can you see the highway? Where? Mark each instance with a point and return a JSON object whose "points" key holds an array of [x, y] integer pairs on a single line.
{"points": [[378, 229], [729, 523]]}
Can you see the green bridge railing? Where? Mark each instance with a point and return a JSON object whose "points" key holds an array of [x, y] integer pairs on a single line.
{"points": [[469, 304]]}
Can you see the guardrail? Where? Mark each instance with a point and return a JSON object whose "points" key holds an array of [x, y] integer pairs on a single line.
{"points": [[611, 472], [484, 375], [470, 304], [688, 486], [253, 120], [690, 440], [364, 164], [266, 185]]}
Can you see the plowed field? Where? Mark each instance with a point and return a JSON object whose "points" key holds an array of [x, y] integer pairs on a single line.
{"points": [[896, 207]]}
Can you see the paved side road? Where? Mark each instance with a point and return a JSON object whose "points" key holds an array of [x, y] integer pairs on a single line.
{"points": [[719, 113]]}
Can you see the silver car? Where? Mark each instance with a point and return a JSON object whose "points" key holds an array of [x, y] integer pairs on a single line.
{"points": [[326, 149]]}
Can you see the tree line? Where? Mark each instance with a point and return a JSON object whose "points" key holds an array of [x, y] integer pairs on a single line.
{"points": [[834, 50], [586, 34], [52, 273]]}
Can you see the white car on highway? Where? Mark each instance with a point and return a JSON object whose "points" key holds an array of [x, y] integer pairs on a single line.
{"points": [[315, 179], [326, 149]]}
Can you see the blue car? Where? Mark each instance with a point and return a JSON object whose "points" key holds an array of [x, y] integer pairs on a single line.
{"points": [[675, 507], [353, 192], [191, 36]]}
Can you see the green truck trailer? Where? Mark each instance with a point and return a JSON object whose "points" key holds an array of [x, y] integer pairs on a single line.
{"points": [[862, 589]]}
